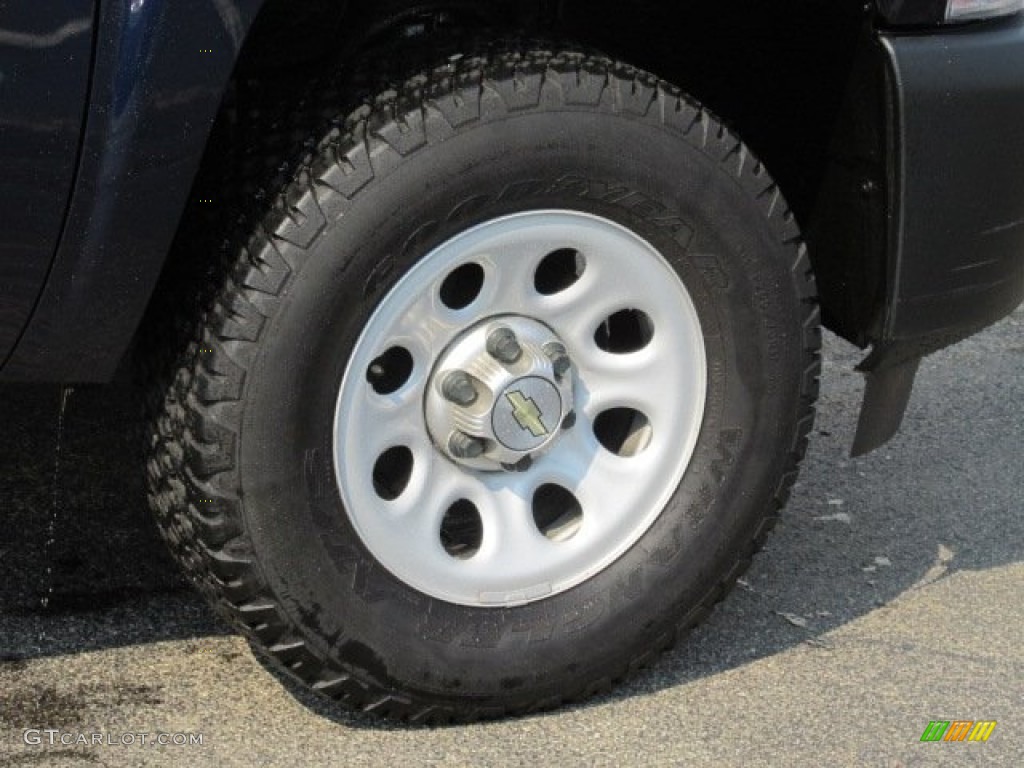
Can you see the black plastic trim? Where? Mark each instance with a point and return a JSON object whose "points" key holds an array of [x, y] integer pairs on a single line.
{"points": [[958, 248]]}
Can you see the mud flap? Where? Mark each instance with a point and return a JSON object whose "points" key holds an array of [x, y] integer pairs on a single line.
{"points": [[886, 396]]}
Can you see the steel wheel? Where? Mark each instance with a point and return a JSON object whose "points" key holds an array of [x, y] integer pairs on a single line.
{"points": [[544, 470]]}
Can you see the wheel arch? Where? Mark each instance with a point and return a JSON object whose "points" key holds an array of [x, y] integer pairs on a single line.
{"points": [[801, 81], [156, 99]]}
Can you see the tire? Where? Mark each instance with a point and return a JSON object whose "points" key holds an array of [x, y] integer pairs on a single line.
{"points": [[334, 492]]}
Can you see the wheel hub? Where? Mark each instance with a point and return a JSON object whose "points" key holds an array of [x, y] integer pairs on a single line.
{"points": [[500, 395]]}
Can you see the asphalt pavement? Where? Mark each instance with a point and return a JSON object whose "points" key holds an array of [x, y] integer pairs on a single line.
{"points": [[891, 595]]}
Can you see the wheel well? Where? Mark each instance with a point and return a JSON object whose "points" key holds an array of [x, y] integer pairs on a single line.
{"points": [[803, 83], [287, 34], [776, 71]]}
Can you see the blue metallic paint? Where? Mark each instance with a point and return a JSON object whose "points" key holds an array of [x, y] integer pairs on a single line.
{"points": [[155, 95], [45, 56]]}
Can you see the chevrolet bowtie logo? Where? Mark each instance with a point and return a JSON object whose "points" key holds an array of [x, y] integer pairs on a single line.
{"points": [[526, 413]]}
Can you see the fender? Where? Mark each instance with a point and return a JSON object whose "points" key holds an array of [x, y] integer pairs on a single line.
{"points": [[160, 73]]}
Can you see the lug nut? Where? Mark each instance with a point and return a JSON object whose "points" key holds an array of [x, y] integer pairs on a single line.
{"points": [[569, 421], [503, 345], [463, 446], [559, 358], [458, 388], [520, 466]]}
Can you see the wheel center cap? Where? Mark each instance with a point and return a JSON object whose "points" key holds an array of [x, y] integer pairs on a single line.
{"points": [[500, 394], [527, 414]]}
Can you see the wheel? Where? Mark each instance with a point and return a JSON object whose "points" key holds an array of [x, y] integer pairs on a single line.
{"points": [[500, 397]]}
